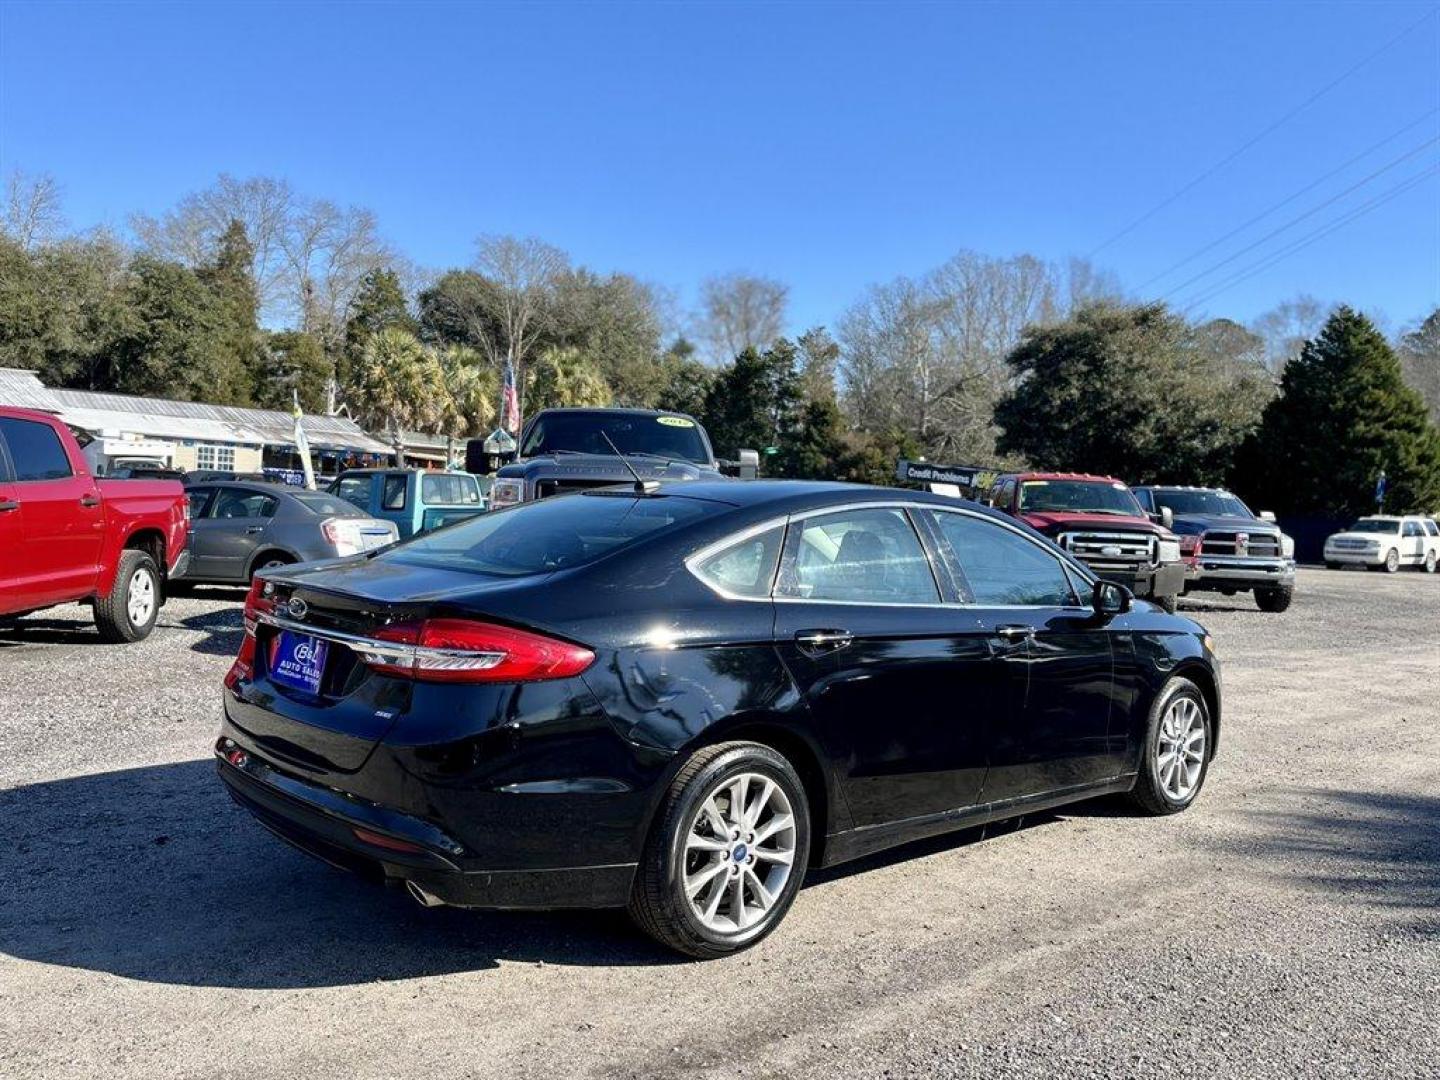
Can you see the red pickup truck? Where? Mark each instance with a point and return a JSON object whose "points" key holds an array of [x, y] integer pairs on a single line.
{"points": [[67, 537]]}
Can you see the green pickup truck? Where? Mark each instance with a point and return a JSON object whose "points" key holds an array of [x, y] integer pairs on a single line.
{"points": [[416, 500]]}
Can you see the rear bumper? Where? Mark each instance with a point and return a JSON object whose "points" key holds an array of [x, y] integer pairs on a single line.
{"points": [[330, 826], [1221, 572]]}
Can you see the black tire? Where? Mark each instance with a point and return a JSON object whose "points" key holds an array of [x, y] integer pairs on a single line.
{"points": [[1167, 603], [1149, 794], [1274, 600], [1391, 565], [112, 611], [267, 559], [657, 903], [1430, 562]]}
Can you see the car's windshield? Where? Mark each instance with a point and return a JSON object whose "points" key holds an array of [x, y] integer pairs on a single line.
{"points": [[329, 505], [449, 489], [671, 437], [553, 534], [1211, 503], [1079, 496], [1375, 525]]}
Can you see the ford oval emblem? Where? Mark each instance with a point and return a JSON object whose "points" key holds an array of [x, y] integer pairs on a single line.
{"points": [[297, 608], [1111, 551]]}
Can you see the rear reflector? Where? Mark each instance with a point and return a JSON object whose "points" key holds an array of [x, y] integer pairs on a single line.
{"points": [[466, 651], [387, 842]]}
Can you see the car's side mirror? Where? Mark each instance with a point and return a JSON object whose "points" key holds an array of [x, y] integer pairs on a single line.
{"points": [[1110, 598], [1167, 517], [1267, 515], [748, 464]]}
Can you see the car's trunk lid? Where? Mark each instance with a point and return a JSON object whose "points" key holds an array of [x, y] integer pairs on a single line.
{"points": [[331, 611]]}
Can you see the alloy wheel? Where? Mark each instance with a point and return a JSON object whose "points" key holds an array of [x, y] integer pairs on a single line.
{"points": [[1392, 561], [1180, 749], [140, 597], [739, 851]]}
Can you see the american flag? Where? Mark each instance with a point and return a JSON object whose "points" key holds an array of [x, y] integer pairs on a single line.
{"points": [[509, 402]]}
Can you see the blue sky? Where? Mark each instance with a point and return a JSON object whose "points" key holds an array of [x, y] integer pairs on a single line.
{"points": [[831, 146]]}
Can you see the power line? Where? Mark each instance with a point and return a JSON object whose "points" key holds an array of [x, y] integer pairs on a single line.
{"points": [[1128, 229], [1301, 217], [1287, 200], [1314, 237]]}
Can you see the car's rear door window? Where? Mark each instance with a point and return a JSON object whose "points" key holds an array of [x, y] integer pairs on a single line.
{"points": [[866, 556], [242, 503], [996, 566]]}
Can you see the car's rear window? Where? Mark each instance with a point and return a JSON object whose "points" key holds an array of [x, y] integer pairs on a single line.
{"points": [[552, 534], [329, 505]]}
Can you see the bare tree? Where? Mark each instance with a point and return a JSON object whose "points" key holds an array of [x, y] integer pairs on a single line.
{"points": [[190, 232], [523, 271], [32, 209], [1287, 326], [740, 311], [927, 355], [1419, 352], [309, 254], [328, 251]]}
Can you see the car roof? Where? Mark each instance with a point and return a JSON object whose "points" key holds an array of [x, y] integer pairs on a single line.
{"points": [[794, 495], [1090, 477], [616, 410]]}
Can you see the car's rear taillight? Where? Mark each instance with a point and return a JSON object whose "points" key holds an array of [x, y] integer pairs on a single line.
{"points": [[343, 534], [466, 651], [258, 601]]}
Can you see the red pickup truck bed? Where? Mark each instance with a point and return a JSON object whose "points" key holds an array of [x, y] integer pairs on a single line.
{"points": [[67, 537]]}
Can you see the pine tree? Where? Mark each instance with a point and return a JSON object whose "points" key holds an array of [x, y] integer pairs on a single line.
{"points": [[1344, 413], [231, 281]]}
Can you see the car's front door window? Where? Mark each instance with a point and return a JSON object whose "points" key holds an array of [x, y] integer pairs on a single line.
{"points": [[997, 567]]}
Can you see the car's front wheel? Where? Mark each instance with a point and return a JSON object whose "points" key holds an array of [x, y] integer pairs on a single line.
{"points": [[1274, 600], [1391, 564], [1168, 603], [1176, 756], [727, 853], [1430, 561]]}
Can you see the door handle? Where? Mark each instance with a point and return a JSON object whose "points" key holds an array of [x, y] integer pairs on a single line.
{"points": [[1015, 632], [88, 501], [822, 642], [8, 504], [254, 528]]}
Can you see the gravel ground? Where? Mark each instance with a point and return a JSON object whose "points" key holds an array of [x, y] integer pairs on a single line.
{"points": [[1287, 925]]}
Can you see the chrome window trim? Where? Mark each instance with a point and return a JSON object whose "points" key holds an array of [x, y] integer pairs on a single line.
{"points": [[903, 509], [785, 520]]}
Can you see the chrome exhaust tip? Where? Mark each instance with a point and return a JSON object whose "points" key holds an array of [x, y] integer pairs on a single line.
{"points": [[423, 898]]}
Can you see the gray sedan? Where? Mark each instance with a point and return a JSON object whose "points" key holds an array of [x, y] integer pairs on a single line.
{"points": [[238, 528]]}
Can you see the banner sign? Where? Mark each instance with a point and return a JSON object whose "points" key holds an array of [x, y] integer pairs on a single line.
{"points": [[925, 472]]}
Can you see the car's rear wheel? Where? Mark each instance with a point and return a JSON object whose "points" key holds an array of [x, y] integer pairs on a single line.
{"points": [[1275, 600], [128, 612], [727, 853], [1176, 756], [270, 560]]}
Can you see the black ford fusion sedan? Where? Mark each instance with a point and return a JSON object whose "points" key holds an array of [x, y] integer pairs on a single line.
{"points": [[678, 698]]}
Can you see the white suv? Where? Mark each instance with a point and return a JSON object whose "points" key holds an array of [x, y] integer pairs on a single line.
{"points": [[1386, 543]]}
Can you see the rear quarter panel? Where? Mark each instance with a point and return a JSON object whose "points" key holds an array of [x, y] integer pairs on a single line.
{"points": [[133, 507]]}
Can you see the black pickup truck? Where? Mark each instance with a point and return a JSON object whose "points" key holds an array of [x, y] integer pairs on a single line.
{"points": [[566, 450], [1225, 547]]}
